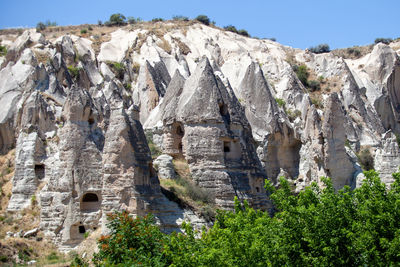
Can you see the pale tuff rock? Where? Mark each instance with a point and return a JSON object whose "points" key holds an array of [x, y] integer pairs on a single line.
{"points": [[270, 125], [387, 158], [165, 167], [116, 48], [151, 85], [336, 161], [204, 123], [311, 165], [202, 94]]}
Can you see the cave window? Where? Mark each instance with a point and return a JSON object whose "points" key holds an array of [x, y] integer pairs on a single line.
{"points": [[223, 109], [227, 147], [91, 121], [90, 197], [90, 202], [82, 229], [179, 131], [39, 171]]}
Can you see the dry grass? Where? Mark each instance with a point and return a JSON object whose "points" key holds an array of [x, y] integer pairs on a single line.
{"points": [[182, 46], [6, 173], [163, 44], [353, 52], [186, 193]]}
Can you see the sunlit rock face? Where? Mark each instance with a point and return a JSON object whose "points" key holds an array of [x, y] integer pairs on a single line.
{"points": [[232, 107]]}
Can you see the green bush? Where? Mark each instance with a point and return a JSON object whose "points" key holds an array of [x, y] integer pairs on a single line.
{"points": [[281, 103], [3, 50], [302, 73], [243, 33], [322, 48], [40, 26], [157, 19], [317, 227], [116, 19], [131, 242], [83, 31], [180, 18], [74, 71], [314, 85], [203, 19], [383, 40], [231, 28]]}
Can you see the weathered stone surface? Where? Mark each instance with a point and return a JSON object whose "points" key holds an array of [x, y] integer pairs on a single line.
{"points": [[165, 167], [81, 149], [387, 158], [336, 161]]}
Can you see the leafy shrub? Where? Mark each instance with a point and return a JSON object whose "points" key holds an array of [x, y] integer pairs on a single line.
{"points": [[317, 103], [118, 69], [157, 19], [74, 71], [231, 28], [322, 48], [272, 39], [100, 23], [116, 19], [302, 73], [317, 227], [244, 33], [3, 50], [354, 51], [366, 159], [78, 262], [281, 103], [293, 115], [131, 242], [131, 20], [314, 85], [203, 19], [40, 26], [83, 31], [180, 18], [383, 40]]}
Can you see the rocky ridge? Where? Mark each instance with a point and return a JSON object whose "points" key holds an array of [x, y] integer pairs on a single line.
{"points": [[232, 107]]}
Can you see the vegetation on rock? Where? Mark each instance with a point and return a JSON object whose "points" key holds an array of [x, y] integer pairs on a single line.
{"points": [[318, 226], [321, 48]]}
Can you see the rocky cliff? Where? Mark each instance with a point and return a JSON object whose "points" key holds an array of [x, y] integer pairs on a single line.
{"points": [[76, 108]]}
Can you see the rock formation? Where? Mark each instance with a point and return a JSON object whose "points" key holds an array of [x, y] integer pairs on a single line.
{"points": [[232, 107]]}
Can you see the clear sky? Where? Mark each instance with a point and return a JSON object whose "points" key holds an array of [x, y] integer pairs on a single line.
{"points": [[340, 23]]}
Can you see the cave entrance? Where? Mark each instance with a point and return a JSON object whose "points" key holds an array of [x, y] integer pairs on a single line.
{"points": [[177, 134], [90, 202], [39, 171], [232, 149]]}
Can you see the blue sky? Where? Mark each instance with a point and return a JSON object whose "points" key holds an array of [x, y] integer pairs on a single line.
{"points": [[340, 23]]}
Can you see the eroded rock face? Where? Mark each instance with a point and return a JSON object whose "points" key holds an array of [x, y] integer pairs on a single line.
{"points": [[336, 161], [204, 123], [205, 95]]}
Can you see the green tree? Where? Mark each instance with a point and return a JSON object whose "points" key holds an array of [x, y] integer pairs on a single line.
{"points": [[203, 19], [131, 242], [117, 19]]}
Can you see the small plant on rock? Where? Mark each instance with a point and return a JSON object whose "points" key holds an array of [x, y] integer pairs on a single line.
{"points": [[322, 48], [3, 50], [203, 19]]}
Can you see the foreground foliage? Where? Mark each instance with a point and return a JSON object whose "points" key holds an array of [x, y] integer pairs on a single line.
{"points": [[316, 227]]}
